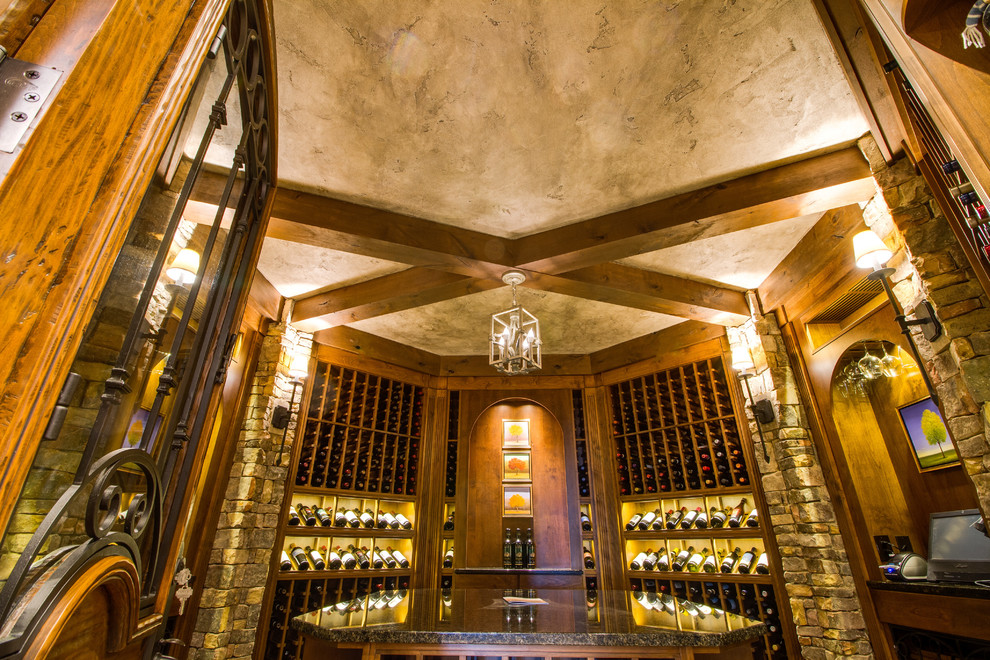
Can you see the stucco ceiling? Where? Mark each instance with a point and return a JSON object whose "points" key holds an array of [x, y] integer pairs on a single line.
{"points": [[512, 118]]}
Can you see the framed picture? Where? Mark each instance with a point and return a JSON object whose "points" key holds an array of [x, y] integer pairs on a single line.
{"points": [[929, 438], [517, 466], [139, 420], [517, 500], [515, 433]]}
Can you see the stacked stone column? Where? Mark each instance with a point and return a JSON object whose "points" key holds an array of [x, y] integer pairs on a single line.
{"points": [[230, 609], [820, 587]]}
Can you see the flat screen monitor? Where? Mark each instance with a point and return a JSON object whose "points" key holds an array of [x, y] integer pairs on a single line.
{"points": [[958, 549]]}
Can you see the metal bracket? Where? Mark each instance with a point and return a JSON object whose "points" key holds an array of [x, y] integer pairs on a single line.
{"points": [[24, 88]]}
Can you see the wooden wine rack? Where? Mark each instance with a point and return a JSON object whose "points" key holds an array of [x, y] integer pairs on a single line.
{"points": [[358, 449], [678, 444], [450, 485], [584, 487]]}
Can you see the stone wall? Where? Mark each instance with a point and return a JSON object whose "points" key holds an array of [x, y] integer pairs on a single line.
{"points": [[235, 581], [930, 263], [820, 587]]}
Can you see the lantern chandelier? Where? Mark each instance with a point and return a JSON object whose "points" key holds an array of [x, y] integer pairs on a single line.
{"points": [[514, 343]]}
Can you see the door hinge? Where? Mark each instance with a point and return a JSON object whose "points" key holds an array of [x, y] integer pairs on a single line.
{"points": [[24, 88]]}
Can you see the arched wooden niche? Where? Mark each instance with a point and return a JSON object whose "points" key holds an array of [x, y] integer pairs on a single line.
{"points": [[938, 25]]}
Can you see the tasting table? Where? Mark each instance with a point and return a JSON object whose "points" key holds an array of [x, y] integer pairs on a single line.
{"points": [[435, 624]]}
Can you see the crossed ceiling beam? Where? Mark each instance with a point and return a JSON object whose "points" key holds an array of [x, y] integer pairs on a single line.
{"points": [[449, 262]]}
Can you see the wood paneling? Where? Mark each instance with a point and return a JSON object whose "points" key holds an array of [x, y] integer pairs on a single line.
{"points": [[377, 348], [966, 617], [637, 357]]}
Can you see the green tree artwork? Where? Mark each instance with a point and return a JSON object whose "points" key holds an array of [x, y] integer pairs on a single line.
{"points": [[934, 429]]}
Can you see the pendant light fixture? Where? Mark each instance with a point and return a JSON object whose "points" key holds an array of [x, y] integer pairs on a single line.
{"points": [[514, 342]]}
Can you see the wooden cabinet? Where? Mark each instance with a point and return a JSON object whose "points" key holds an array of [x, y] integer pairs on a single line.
{"points": [[679, 455]]}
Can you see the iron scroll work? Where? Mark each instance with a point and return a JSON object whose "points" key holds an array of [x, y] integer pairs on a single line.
{"points": [[130, 499]]}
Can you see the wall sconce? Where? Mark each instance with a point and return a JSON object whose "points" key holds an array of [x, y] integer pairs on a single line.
{"points": [[281, 416], [184, 267], [871, 252], [742, 362]]}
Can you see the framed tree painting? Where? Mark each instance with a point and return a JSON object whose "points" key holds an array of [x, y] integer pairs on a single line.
{"points": [[517, 466], [517, 500], [929, 438], [515, 434]]}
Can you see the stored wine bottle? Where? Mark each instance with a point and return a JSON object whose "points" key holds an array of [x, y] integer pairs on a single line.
{"points": [[647, 520], [697, 559], [729, 563], [285, 563], [651, 561], [716, 517], [633, 522], [663, 560], [701, 521], [449, 525], [448, 558], [388, 559], [746, 563], [674, 519], [367, 518], [585, 522], [297, 553], [333, 559], [507, 550], [339, 518], [352, 518], [403, 522], [362, 558], [763, 564], [658, 524], [710, 564], [293, 516], [400, 559], [315, 557], [637, 563], [323, 516], [517, 550], [306, 514], [589, 559], [736, 517], [689, 518], [347, 558], [530, 549], [681, 559], [385, 519], [753, 519]]}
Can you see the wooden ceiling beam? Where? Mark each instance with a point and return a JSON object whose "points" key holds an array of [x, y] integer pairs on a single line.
{"points": [[650, 291], [383, 295], [815, 184]]}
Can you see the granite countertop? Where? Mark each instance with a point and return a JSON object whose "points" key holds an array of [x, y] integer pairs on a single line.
{"points": [[480, 616], [955, 589]]}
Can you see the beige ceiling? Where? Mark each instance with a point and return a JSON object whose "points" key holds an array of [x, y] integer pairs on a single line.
{"points": [[511, 118]]}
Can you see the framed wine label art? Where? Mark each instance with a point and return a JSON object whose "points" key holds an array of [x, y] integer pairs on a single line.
{"points": [[930, 442], [517, 501], [517, 466], [515, 434]]}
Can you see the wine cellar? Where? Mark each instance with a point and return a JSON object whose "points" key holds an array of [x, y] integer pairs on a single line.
{"points": [[688, 524]]}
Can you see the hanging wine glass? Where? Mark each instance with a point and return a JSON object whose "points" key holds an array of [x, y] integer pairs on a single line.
{"points": [[891, 363], [870, 366], [854, 379]]}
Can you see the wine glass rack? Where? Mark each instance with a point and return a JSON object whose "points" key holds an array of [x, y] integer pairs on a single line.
{"points": [[678, 449]]}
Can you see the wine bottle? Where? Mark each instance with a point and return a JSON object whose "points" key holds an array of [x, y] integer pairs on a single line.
{"points": [[293, 516], [663, 560], [753, 519], [689, 519], [735, 518], [339, 518], [448, 558], [302, 563], [306, 514], [651, 561], [763, 564], [367, 518], [352, 518], [716, 517], [530, 549], [376, 558], [681, 559], [507, 550], [333, 559], [675, 519], [585, 522], [517, 550], [647, 519], [701, 521], [637, 563], [347, 557], [285, 563], [589, 559], [403, 522], [315, 557], [729, 563], [400, 559], [361, 556], [388, 559], [710, 564], [449, 525], [633, 522], [323, 516], [658, 524], [385, 519], [697, 559], [746, 563]]}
